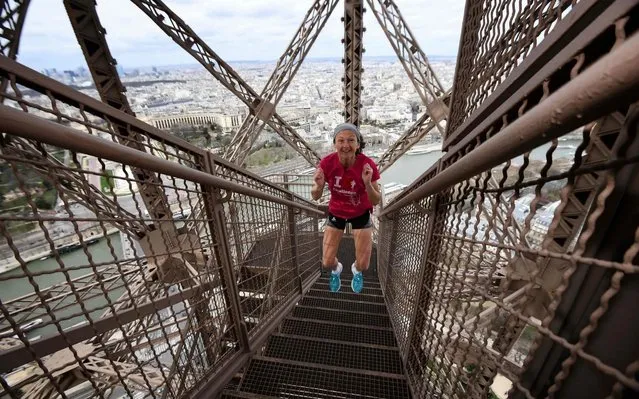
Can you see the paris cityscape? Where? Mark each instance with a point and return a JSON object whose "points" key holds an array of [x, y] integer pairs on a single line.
{"points": [[312, 103], [164, 235], [186, 101]]}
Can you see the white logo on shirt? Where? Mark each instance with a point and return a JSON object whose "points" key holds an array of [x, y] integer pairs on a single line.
{"points": [[337, 179]]}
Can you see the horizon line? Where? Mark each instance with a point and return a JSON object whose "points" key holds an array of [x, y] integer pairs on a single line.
{"points": [[247, 61]]}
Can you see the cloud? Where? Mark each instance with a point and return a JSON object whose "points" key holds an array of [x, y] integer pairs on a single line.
{"points": [[236, 30]]}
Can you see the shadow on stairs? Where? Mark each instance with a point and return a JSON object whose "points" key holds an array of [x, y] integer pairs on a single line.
{"points": [[332, 345]]}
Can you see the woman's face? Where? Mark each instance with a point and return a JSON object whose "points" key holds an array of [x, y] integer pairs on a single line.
{"points": [[346, 144]]}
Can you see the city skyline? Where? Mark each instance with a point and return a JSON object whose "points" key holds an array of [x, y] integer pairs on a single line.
{"points": [[193, 64], [236, 31]]}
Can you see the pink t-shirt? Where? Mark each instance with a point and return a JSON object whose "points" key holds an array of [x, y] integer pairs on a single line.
{"points": [[348, 193]]}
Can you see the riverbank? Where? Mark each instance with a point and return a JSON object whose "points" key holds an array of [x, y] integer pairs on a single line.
{"points": [[42, 252]]}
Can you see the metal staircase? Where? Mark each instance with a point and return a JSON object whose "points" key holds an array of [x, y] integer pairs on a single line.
{"points": [[332, 345], [472, 292]]}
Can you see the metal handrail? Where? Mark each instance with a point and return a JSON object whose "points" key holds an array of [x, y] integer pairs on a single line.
{"points": [[24, 125], [589, 94], [31, 79]]}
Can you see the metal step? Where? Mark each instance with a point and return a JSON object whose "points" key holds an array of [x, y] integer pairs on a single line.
{"points": [[382, 359], [347, 295], [228, 394], [339, 332], [369, 289], [291, 379], [369, 282], [340, 304], [342, 316]]}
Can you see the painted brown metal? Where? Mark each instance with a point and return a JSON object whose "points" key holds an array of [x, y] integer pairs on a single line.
{"points": [[212, 387], [353, 49], [420, 73], [91, 37], [611, 77], [575, 313], [12, 16], [587, 20], [14, 122], [183, 35], [47, 345], [284, 72]]}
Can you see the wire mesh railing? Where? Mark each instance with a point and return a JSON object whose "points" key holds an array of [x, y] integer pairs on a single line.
{"points": [[113, 290], [496, 38], [300, 184], [500, 265], [144, 266]]}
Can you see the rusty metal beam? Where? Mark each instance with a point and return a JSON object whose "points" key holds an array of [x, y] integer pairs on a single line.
{"points": [[410, 54], [413, 135], [285, 70], [76, 185], [184, 36], [595, 304], [613, 78], [12, 16], [587, 20], [91, 37], [353, 48], [22, 124]]}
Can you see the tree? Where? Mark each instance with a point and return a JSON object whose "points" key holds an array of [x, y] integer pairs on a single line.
{"points": [[215, 127]]}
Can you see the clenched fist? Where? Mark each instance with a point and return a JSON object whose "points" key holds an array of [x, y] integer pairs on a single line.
{"points": [[367, 174], [319, 177]]}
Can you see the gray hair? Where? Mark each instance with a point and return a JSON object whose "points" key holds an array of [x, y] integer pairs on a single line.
{"points": [[349, 127]]}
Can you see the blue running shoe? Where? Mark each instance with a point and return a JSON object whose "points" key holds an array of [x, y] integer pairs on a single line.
{"points": [[357, 283], [335, 282]]}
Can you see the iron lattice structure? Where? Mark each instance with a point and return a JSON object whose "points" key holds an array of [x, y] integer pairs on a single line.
{"points": [[513, 258]]}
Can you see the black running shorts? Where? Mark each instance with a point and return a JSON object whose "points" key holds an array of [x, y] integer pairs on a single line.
{"points": [[360, 222]]}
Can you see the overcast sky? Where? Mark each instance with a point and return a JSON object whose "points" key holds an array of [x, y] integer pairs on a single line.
{"points": [[238, 30]]}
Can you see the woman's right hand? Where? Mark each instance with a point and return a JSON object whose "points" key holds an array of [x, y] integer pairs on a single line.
{"points": [[319, 177]]}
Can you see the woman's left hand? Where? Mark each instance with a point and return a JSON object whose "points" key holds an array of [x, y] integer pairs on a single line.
{"points": [[367, 174]]}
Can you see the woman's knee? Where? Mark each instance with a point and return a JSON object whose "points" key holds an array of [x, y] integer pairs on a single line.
{"points": [[329, 260], [362, 264]]}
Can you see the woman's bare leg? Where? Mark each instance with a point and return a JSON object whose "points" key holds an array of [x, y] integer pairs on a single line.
{"points": [[363, 248], [332, 238]]}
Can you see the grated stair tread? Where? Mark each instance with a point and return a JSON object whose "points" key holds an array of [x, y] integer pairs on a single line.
{"points": [[331, 345], [346, 295], [333, 353], [342, 316], [339, 331], [291, 379], [372, 281], [343, 304], [368, 288], [227, 394]]}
